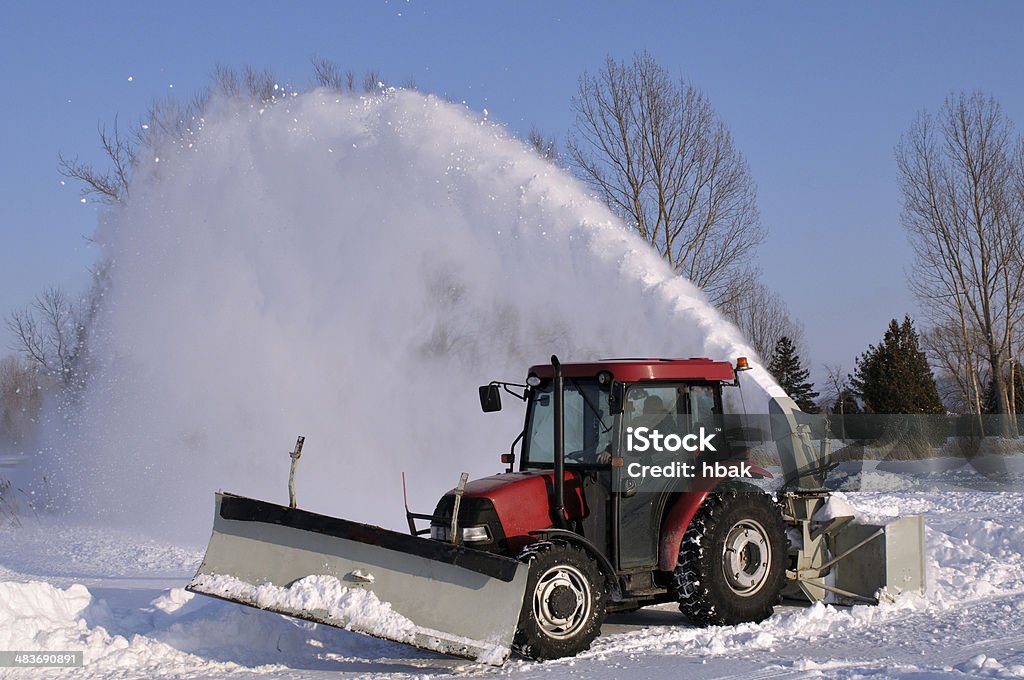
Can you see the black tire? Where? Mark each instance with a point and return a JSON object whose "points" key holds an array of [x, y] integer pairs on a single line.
{"points": [[564, 604], [732, 561]]}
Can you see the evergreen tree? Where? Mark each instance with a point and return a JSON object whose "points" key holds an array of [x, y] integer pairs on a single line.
{"points": [[787, 369], [847, 405], [989, 402], [895, 377]]}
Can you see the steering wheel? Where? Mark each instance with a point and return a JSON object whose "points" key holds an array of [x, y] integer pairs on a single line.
{"points": [[576, 456]]}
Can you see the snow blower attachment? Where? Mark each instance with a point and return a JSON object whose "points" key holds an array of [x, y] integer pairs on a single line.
{"points": [[836, 559], [533, 558]]}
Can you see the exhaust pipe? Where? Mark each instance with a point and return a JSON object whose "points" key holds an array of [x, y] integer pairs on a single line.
{"points": [[559, 429]]}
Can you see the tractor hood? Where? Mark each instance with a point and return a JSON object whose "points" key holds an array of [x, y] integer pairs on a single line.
{"points": [[520, 502]]}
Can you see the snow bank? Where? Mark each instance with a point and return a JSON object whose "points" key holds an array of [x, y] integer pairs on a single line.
{"points": [[176, 634], [39, 616], [353, 608], [983, 666], [349, 269]]}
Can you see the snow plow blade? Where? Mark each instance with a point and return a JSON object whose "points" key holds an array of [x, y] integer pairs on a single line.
{"points": [[426, 593]]}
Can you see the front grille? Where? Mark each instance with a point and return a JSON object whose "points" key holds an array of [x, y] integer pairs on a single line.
{"points": [[473, 512]]}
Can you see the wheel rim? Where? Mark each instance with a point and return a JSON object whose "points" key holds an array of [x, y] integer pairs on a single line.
{"points": [[746, 557], [562, 602]]}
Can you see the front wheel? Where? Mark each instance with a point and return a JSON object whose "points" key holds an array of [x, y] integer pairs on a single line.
{"points": [[732, 559], [564, 604]]}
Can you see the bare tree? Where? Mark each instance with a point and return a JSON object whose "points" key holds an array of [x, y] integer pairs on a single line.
{"points": [[546, 147], [762, 316], [49, 333], [327, 73], [964, 219], [961, 371], [256, 85], [175, 118], [109, 187], [227, 80], [663, 160], [837, 388], [260, 85], [20, 399], [171, 118], [371, 82]]}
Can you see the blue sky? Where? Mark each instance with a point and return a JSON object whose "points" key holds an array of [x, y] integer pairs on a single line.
{"points": [[815, 94]]}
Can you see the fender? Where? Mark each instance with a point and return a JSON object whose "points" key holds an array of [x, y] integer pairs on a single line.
{"points": [[606, 566], [674, 526]]}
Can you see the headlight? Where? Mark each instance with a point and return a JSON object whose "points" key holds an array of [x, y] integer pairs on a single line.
{"points": [[475, 535]]}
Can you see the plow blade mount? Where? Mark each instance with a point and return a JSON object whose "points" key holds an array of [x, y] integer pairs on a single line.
{"points": [[421, 592]]}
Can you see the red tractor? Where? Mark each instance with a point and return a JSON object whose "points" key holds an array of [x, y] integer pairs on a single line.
{"points": [[633, 488]]}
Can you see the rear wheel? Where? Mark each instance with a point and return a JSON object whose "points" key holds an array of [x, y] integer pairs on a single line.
{"points": [[564, 603], [732, 559]]}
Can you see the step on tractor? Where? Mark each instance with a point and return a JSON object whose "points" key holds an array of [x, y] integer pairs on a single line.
{"points": [[631, 487]]}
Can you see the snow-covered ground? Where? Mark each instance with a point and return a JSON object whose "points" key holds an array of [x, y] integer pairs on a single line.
{"points": [[119, 597]]}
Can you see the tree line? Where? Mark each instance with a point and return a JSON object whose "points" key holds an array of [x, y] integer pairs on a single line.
{"points": [[893, 376]]}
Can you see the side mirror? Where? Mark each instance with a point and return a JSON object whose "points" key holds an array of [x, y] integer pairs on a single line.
{"points": [[616, 398], [490, 398]]}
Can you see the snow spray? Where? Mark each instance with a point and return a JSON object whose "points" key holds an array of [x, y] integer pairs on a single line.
{"points": [[349, 269]]}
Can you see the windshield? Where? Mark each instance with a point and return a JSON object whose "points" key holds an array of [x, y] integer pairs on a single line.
{"points": [[588, 424]]}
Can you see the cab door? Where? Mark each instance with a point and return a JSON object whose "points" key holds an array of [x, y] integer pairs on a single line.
{"points": [[668, 408]]}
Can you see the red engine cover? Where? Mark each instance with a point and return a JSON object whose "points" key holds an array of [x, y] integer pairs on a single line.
{"points": [[523, 501]]}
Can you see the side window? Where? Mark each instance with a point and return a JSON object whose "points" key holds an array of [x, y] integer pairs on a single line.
{"points": [[657, 408], [588, 424], [541, 439], [703, 410], [672, 408]]}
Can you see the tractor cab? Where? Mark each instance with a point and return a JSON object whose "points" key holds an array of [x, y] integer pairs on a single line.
{"points": [[615, 407], [614, 431], [609, 421]]}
